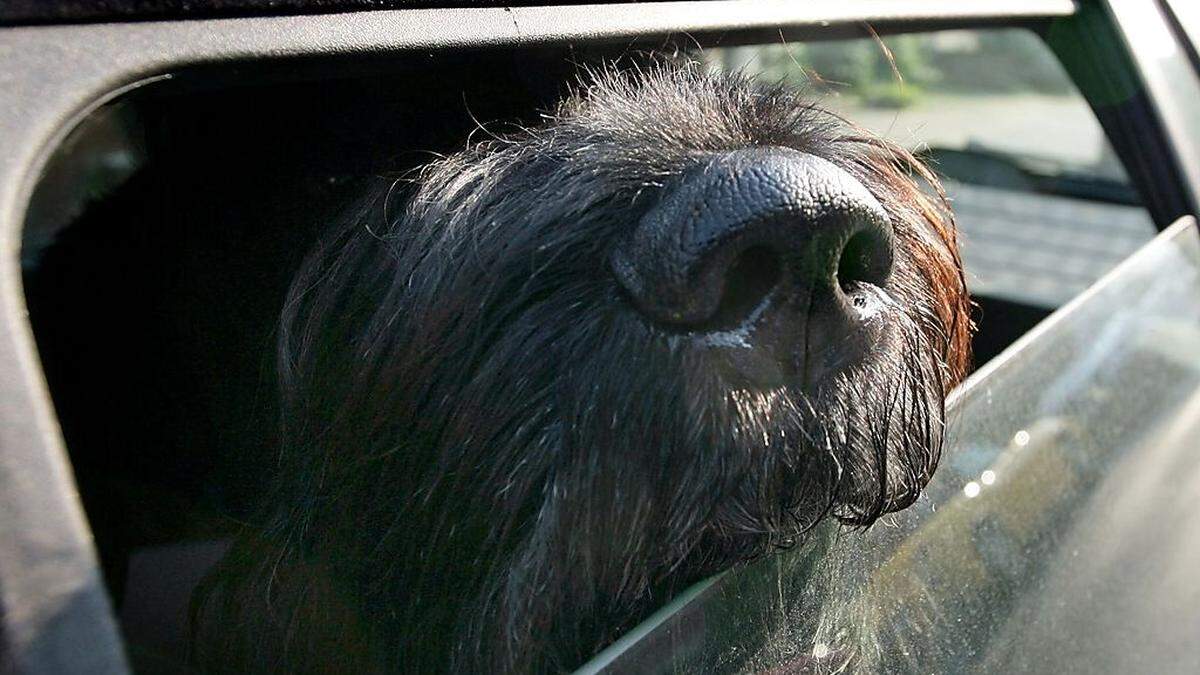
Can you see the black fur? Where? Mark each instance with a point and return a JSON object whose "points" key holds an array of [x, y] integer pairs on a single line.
{"points": [[493, 463]]}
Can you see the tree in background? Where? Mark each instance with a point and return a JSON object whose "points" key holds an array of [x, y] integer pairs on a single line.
{"points": [[991, 61]]}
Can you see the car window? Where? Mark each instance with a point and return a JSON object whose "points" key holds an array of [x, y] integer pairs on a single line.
{"points": [[1043, 206], [1055, 537], [1187, 15]]}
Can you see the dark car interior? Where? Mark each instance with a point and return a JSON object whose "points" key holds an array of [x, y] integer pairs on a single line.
{"points": [[155, 297]]}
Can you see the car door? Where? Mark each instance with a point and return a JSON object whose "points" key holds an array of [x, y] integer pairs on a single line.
{"points": [[842, 595], [1059, 532]]}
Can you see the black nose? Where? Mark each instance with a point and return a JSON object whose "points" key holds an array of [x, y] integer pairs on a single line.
{"points": [[748, 225]]}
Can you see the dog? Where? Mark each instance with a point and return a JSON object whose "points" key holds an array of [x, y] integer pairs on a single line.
{"points": [[585, 365]]}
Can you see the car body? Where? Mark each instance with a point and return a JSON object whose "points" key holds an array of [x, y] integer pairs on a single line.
{"points": [[63, 77]]}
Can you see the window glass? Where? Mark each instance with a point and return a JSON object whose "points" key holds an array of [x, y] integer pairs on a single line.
{"points": [[1044, 208], [1059, 535]]}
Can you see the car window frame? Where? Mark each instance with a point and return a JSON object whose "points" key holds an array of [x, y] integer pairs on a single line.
{"points": [[55, 613]]}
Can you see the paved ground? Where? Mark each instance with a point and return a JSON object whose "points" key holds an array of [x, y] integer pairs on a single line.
{"points": [[1033, 248], [1060, 127], [1039, 249]]}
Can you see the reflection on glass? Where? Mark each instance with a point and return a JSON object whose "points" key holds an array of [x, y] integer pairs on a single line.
{"points": [[1060, 534]]}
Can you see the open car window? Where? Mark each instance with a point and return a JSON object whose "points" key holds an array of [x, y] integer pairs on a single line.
{"points": [[1056, 536], [1044, 207]]}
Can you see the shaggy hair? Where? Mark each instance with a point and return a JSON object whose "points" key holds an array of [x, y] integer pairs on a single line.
{"points": [[493, 463]]}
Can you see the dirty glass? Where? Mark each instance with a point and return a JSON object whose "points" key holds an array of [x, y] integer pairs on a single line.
{"points": [[1060, 533], [1044, 207]]}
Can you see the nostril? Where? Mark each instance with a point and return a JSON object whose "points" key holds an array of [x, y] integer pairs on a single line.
{"points": [[865, 259], [718, 247], [744, 286], [749, 280]]}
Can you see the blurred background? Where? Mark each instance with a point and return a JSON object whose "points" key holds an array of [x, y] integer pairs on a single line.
{"points": [[1042, 202]]}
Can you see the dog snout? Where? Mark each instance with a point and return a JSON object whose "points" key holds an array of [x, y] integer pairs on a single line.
{"points": [[751, 229]]}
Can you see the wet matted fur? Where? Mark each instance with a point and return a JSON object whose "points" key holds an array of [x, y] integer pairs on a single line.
{"points": [[493, 463]]}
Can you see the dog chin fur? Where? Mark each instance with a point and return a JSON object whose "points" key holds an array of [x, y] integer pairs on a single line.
{"points": [[492, 463]]}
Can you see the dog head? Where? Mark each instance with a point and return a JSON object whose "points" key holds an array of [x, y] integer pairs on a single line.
{"points": [[670, 329]]}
